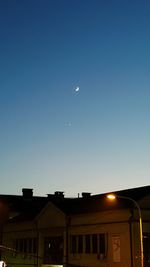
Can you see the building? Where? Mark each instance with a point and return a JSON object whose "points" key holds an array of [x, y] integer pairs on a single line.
{"points": [[71, 232]]}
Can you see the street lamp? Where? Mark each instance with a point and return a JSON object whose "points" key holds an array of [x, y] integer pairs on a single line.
{"points": [[113, 197]]}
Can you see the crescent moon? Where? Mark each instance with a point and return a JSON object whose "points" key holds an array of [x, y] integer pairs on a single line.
{"points": [[77, 89]]}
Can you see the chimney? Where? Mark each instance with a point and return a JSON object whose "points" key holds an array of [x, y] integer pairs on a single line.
{"points": [[86, 194], [27, 193], [59, 194]]}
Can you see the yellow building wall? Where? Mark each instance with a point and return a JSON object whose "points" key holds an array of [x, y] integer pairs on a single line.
{"points": [[52, 222], [114, 224]]}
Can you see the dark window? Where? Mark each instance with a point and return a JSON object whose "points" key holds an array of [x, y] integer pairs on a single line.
{"points": [[34, 245], [80, 244], [94, 243], [16, 244], [30, 245], [25, 245], [87, 244], [53, 250], [21, 245], [73, 244], [146, 248], [102, 244]]}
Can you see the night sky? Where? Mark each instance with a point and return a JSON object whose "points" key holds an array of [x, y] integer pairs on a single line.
{"points": [[54, 137]]}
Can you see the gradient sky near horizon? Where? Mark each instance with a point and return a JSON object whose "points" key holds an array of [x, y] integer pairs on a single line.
{"points": [[52, 137]]}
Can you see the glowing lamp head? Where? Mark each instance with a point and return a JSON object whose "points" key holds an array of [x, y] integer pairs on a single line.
{"points": [[111, 196]]}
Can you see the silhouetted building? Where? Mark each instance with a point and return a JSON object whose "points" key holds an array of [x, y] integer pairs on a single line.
{"points": [[85, 231]]}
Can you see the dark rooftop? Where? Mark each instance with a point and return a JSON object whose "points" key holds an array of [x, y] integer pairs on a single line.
{"points": [[27, 206]]}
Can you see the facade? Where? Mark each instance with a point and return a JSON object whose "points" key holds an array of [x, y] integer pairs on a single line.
{"points": [[86, 231]]}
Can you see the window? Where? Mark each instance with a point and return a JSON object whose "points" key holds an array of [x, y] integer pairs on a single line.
{"points": [[16, 244], [102, 243], [53, 250], [34, 245], [146, 248], [30, 245], [87, 244], [73, 244], [94, 243], [25, 245], [80, 244], [21, 245]]}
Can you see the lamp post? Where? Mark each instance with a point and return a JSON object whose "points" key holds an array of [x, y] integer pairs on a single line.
{"points": [[113, 197]]}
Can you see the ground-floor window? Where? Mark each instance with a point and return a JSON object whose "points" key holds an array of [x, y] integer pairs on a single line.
{"points": [[89, 244], [53, 250], [94, 243], [146, 248], [25, 245]]}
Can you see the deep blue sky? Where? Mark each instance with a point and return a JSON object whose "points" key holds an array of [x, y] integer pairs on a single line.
{"points": [[53, 138]]}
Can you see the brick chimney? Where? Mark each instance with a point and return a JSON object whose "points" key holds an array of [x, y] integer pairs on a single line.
{"points": [[59, 194], [27, 193], [86, 194]]}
